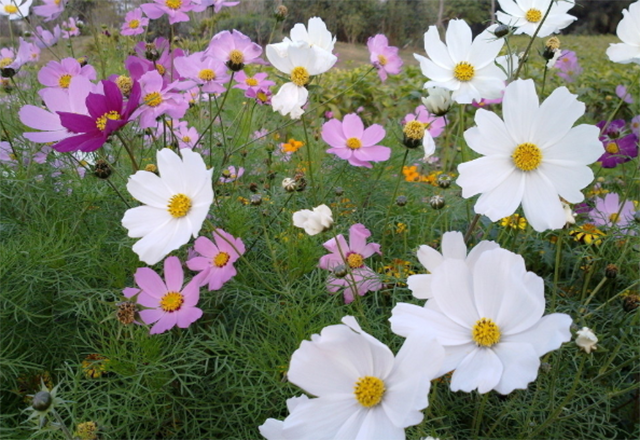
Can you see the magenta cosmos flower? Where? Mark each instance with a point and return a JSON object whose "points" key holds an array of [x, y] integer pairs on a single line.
{"points": [[134, 23], [169, 304], [350, 257], [619, 148], [176, 10], [51, 9], [610, 212], [349, 140], [215, 260], [234, 49], [385, 58], [107, 114], [59, 74]]}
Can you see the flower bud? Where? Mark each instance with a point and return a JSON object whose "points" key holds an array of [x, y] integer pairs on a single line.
{"points": [[339, 191], [340, 271], [586, 340], [289, 184], [437, 202], [126, 313], [444, 181], [413, 134], [401, 200], [42, 400], [611, 271], [501, 31], [438, 102], [102, 169], [255, 199], [281, 13], [631, 302]]}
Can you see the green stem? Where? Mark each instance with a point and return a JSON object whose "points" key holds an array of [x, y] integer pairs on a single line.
{"points": [[598, 287], [64, 428], [472, 226], [308, 149], [395, 192], [556, 270], [477, 418], [533, 37], [134, 164]]}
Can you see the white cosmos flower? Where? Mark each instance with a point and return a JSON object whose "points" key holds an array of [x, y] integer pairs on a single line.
{"points": [[489, 320], [314, 222], [464, 66], [271, 429], [15, 9], [628, 31], [175, 204], [525, 16], [453, 247], [362, 391], [532, 157]]}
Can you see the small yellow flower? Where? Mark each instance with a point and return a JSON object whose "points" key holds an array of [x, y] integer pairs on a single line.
{"points": [[86, 431], [589, 234], [94, 366], [401, 228], [515, 221]]}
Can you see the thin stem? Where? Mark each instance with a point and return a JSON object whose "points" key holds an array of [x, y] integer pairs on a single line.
{"points": [[598, 287], [477, 418], [533, 37], [134, 164], [472, 226], [64, 428], [308, 149], [395, 190], [556, 269]]}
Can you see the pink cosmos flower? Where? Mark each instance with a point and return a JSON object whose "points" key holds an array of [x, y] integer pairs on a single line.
{"points": [[156, 55], [157, 100], [485, 102], [201, 5], [234, 49], [27, 53], [207, 72], [435, 124], [51, 9], [215, 260], [262, 95], [134, 23], [385, 58], [619, 145], [610, 212], [44, 38], [71, 100], [187, 136], [59, 74], [70, 28], [176, 10], [622, 93], [169, 303], [7, 54], [107, 114], [351, 141], [257, 81], [568, 66], [352, 257], [10, 154], [635, 125], [231, 175]]}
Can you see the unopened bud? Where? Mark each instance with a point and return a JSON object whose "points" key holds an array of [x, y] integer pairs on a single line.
{"points": [[338, 191], [501, 31], [340, 271], [631, 302], [255, 199], [102, 169], [42, 401], [401, 200], [444, 181], [437, 202], [611, 271]]}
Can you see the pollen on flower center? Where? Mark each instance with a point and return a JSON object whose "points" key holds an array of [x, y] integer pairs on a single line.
{"points": [[355, 260], [612, 148], [153, 99], [186, 139], [221, 259], [614, 218], [10, 9], [354, 143], [207, 75], [464, 71], [64, 81], [527, 156], [251, 82], [382, 60], [171, 301], [533, 15], [485, 332], [160, 68], [173, 4], [4, 62], [300, 76], [414, 130], [236, 56], [133, 24], [369, 391], [179, 205], [101, 122]]}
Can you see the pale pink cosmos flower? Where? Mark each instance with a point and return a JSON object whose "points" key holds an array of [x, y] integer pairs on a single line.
{"points": [[349, 140], [385, 58], [25, 54], [7, 55], [70, 28], [134, 23], [59, 74], [215, 260], [207, 72], [176, 10], [231, 174], [168, 302], [234, 49], [201, 5], [434, 124], [622, 93], [157, 100], [257, 81], [44, 38], [635, 125], [350, 257], [187, 136], [51, 9], [612, 213], [262, 95]]}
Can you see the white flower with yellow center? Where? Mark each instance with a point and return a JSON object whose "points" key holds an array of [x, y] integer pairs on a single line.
{"points": [[15, 9], [525, 16], [362, 391], [628, 31], [464, 66], [531, 157], [175, 204], [489, 320]]}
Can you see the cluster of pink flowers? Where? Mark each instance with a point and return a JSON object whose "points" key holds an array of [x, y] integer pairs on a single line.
{"points": [[568, 66]]}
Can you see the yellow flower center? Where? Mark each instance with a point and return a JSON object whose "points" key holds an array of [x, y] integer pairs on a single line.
{"points": [[10, 9], [354, 143], [612, 148], [382, 60], [152, 168], [251, 82], [4, 62], [614, 218], [485, 332], [125, 84], [355, 260], [533, 15], [414, 130], [369, 391], [527, 156], [160, 68], [186, 139], [173, 4], [64, 81], [221, 259], [153, 99], [207, 75], [464, 71], [179, 205], [300, 76], [236, 57], [133, 24], [171, 301], [262, 96], [101, 122], [553, 43]]}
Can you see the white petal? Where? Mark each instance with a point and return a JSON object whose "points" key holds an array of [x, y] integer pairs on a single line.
{"points": [[453, 245], [322, 418], [429, 257], [490, 136], [568, 180], [541, 203], [555, 117], [436, 50], [519, 104], [546, 335], [420, 286], [408, 318], [458, 39], [150, 189], [580, 146], [520, 366], [484, 174], [480, 370], [290, 99], [142, 220], [453, 291], [503, 200]]}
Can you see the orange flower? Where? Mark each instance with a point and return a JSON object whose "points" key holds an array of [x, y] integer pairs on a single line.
{"points": [[292, 146]]}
